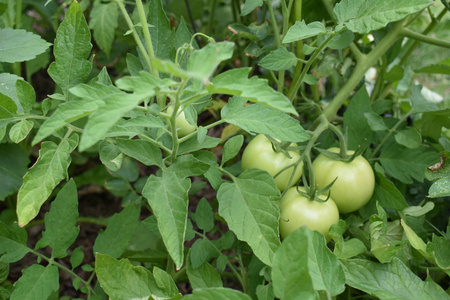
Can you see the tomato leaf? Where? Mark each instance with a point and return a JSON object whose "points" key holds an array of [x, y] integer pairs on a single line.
{"points": [[368, 15], [19, 131], [236, 82], [249, 207], [250, 5], [104, 21], [43, 176], [188, 165], [19, 45], [141, 150], [26, 95], [274, 123], [300, 31], [115, 239], [13, 243], [387, 194], [204, 276], [407, 164], [232, 148], [121, 280], [217, 293], [60, 222], [419, 103], [167, 195], [72, 48], [13, 165], [355, 123], [290, 273], [390, 281], [277, 60], [37, 281]]}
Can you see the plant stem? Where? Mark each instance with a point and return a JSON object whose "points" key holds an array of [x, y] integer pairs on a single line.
{"points": [[388, 135], [367, 61], [65, 269], [134, 33], [298, 81], [147, 37], [273, 20], [424, 38]]}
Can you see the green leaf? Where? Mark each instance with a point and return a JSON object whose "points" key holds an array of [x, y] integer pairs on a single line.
{"points": [[249, 207], [277, 60], [192, 144], [101, 120], [167, 196], [349, 248], [201, 251], [390, 281], [341, 40], [265, 292], [115, 239], [443, 67], [290, 274], [161, 32], [232, 148], [8, 107], [72, 48], [250, 5], [364, 16], [43, 176], [407, 164], [165, 282], [419, 103], [26, 95], [236, 82], [20, 131], [202, 63], [387, 194], [64, 114], [409, 137], [141, 150], [440, 188], [123, 281], [13, 165], [300, 31], [110, 155], [60, 222], [375, 121], [358, 129], [324, 268], [385, 237], [217, 293], [275, 123], [19, 45], [144, 84], [13, 243], [416, 242], [204, 215], [440, 246], [37, 282], [77, 257], [188, 165], [104, 21], [204, 276], [8, 89]]}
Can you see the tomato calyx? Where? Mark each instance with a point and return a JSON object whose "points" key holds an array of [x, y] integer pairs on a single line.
{"points": [[339, 157]]}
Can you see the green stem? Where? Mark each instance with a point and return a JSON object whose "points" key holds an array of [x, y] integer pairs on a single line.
{"points": [[273, 20], [356, 52], [388, 135], [212, 11], [361, 68], [65, 269], [424, 38], [156, 143], [342, 140], [134, 33], [147, 37], [298, 81]]}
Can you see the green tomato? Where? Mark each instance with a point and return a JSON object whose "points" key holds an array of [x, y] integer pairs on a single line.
{"points": [[297, 211], [183, 126], [260, 154], [355, 181]]}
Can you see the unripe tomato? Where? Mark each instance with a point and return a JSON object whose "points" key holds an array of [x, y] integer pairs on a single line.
{"points": [[297, 211], [260, 154], [355, 181], [183, 126]]}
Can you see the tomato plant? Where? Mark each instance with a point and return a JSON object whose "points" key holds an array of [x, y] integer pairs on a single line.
{"points": [[298, 210], [355, 180], [260, 154]]}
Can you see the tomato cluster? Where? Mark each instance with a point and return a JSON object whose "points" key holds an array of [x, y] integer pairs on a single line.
{"points": [[353, 186]]}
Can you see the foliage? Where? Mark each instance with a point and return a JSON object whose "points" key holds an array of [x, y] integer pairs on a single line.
{"points": [[139, 99]]}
